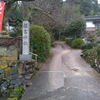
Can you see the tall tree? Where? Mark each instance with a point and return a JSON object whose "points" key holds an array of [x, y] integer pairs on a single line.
{"points": [[44, 12], [16, 15], [8, 8], [87, 7]]}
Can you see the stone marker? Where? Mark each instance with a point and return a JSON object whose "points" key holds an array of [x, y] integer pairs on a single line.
{"points": [[25, 42]]}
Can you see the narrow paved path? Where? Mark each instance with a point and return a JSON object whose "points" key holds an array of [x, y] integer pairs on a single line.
{"points": [[65, 77]]}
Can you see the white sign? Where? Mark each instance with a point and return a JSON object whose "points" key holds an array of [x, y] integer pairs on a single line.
{"points": [[25, 40]]}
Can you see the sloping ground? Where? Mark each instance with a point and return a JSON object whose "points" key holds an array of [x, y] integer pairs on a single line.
{"points": [[65, 77]]}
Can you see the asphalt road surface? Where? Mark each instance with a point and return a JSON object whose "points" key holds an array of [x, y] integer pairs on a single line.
{"points": [[66, 76]]}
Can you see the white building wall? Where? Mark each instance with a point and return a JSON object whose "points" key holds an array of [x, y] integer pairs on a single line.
{"points": [[90, 24]]}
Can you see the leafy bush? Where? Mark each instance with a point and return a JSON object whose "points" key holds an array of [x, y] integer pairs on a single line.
{"points": [[16, 32], [92, 37], [87, 46], [40, 41], [19, 91], [69, 41], [86, 52], [15, 98], [4, 33], [75, 27], [62, 38], [97, 32], [77, 43], [90, 55]]}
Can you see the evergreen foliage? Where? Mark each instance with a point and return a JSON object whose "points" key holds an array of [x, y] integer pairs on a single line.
{"points": [[87, 7], [75, 27], [69, 41], [77, 43], [40, 41]]}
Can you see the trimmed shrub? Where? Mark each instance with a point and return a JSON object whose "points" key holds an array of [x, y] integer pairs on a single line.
{"points": [[62, 38], [69, 41], [40, 41], [77, 43]]}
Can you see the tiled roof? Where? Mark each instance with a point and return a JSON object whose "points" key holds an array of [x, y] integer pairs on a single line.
{"points": [[92, 18]]}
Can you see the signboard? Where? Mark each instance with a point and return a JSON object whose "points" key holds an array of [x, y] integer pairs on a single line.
{"points": [[25, 42], [2, 6]]}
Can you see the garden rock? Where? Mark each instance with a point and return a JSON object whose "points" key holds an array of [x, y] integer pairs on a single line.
{"points": [[11, 86], [21, 76], [3, 86], [30, 71], [28, 76], [12, 95], [14, 70], [23, 72], [13, 77], [1, 71], [13, 82]]}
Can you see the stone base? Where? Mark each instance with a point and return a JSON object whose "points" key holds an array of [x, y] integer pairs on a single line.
{"points": [[25, 57]]}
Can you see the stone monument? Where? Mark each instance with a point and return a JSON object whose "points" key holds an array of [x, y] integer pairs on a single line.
{"points": [[25, 42]]}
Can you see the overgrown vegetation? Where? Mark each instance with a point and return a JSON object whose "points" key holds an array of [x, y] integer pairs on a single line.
{"points": [[89, 55], [16, 32], [77, 43], [87, 46], [91, 51], [97, 32], [19, 91], [40, 41], [98, 52], [69, 41]]}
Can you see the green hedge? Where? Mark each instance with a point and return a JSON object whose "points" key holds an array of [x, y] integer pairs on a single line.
{"points": [[77, 43], [62, 38], [69, 41], [40, 41]]}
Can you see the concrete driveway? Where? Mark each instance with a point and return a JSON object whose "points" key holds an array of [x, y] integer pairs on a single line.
{"points": [[66, 76]]}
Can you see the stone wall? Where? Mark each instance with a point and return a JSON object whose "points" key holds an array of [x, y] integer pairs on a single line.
{"points": [[14, 75], [10, 53], [10, 48]]}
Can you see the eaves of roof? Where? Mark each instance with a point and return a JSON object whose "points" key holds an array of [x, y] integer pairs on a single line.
{"points": [[92, 18]]}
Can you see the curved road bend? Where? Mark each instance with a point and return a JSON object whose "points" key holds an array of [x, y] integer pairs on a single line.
{"points": [[65, 77]]}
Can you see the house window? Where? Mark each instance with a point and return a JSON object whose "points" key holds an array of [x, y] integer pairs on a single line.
{"points": [[97, 26]]}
